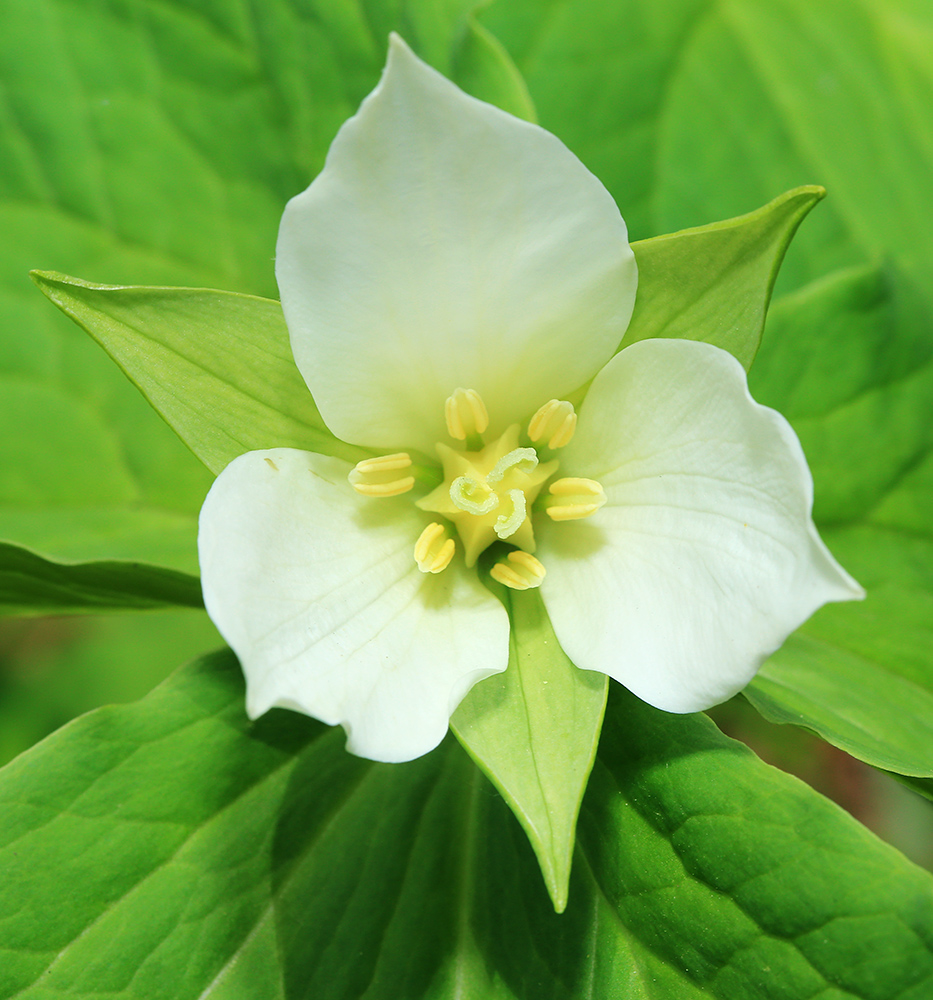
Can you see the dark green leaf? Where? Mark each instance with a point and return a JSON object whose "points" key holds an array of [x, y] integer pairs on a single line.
{"points": [[30, 584], [171, 850]]}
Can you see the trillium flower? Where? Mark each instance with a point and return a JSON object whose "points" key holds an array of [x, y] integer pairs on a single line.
{"points": [[450, 280]]}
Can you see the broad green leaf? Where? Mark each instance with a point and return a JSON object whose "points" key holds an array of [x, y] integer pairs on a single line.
{"points": [[847, 368], [534, 730], [157, 144], [713, 283], [839, 91], [170, 850], [862, 683], [72, 488], [216, 365], [30, 584]]}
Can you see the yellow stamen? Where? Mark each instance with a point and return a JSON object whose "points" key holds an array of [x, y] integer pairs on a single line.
{"points": [[477, 493], [574, 498], [555, 422], [521, 572], [434, 550], [466, 414], [379, 477]]}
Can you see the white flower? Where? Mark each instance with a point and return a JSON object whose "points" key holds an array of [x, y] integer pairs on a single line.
{"points": [[448, 280]]}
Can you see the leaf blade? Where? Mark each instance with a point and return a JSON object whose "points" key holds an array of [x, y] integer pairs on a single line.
{"points": [[185, 850], [30, 584]]}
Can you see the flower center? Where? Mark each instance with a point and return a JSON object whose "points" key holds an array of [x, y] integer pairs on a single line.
{"points": [[487, 494], [489, 490]]}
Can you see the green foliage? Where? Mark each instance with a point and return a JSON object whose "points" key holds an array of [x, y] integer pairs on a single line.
{"points": [[534, 730], [847, 366], [170, 849]]}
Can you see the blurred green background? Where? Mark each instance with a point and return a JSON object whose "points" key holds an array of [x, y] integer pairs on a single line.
{"points": [[157, 141]]}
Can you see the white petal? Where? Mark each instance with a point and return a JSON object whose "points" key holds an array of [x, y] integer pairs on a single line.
{"points": [[317, 591], [705, 556], [448, 244]]}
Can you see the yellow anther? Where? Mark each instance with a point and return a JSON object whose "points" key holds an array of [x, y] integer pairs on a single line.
{"points": [[434, 550], [572, 499], [466, 414], [379, 477], [555, 422], [519, 570]]}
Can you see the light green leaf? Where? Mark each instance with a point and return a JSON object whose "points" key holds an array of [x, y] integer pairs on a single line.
{"points": [[533, 730], [713, 283], [72, 488], [171, 850], [216, 365]]}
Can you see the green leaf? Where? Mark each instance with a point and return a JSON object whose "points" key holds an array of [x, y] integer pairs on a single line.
{"points": [[844, 362], [533, 730], [713, 283], [170, 850], [858, 682], [72, 489], [216, 365], [30, 584], [158, 144]]}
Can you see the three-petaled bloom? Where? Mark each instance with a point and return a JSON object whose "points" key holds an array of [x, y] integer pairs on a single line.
{"points": [[450, 277]]}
